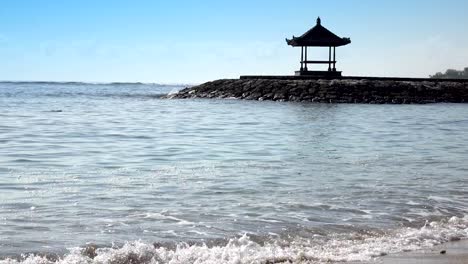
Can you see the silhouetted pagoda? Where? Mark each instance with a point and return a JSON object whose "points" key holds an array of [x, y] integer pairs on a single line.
{"points": [[318, 36]]}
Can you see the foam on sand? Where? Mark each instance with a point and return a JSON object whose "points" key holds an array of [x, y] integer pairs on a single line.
{"points": [[333, 248]]}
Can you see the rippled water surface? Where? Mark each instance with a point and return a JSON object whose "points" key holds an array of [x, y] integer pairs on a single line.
{"points": [[118, 167]]}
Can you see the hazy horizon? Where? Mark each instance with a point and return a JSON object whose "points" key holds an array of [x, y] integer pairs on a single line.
{"points": [[181, 42]]}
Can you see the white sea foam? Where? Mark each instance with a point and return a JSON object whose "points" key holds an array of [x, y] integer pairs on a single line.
{"points": [[174, 91], [334, 248]]}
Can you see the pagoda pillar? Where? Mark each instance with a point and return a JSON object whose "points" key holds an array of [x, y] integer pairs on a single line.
{"points": [[305, 68], [334, 58], [329, 58], [302, 58]]}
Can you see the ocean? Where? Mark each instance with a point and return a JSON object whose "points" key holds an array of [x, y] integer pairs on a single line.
{"points": [[112, 173]]}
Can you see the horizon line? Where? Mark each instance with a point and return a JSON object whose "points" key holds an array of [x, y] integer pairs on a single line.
{"points": [[97, 83]]}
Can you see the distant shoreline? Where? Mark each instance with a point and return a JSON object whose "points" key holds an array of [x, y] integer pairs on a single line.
{"points": [[363, 90]]}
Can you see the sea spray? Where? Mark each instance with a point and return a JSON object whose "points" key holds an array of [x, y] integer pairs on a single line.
{"points": [[333, 248]]}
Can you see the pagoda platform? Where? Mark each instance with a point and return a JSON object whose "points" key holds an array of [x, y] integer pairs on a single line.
{"points": [[332, 74]]}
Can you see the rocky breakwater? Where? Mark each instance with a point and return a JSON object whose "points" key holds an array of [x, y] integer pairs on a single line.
{"points": [[331, 91]]}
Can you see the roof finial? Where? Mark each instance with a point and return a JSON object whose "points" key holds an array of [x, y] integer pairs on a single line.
{"points": [[319, 21]]}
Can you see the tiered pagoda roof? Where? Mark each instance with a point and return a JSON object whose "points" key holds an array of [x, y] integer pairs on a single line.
{"points": [[318, 36]]}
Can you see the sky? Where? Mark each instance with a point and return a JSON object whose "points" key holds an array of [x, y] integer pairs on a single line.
{"points": [[182, 41]]}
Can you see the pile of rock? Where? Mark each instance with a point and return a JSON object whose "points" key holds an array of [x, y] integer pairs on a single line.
{"points": [[331, 91]]}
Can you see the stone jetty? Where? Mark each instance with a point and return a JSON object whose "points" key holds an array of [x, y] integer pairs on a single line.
{"points": [[351, 90]]}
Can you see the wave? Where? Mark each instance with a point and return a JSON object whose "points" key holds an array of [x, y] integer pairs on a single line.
{"points": [[155, 95], [76, 89], [96, 83], [351, 247]]}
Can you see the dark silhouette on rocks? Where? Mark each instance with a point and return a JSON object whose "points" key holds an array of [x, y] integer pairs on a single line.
{"points": [[329, 86], [318, 36]]}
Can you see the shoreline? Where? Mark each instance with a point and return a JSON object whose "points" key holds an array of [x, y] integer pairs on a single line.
{"points": [[455, 253], [351, 90]]}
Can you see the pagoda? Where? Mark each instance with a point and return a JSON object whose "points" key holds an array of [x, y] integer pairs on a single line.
{"points": [[318, 36]]}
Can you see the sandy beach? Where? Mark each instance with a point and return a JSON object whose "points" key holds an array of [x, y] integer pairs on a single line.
{"points": [[456, 253]]}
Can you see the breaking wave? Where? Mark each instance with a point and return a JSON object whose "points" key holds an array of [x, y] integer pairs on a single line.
{"points": [[356, 246]]}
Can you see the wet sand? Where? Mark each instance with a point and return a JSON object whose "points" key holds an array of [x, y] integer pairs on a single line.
{"points": [[455, 253]]}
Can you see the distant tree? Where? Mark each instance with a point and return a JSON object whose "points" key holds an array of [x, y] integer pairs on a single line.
{"points": [[438, 75], [451, 74]]}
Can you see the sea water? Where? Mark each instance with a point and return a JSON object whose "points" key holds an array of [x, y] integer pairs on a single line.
{"points": [[112, 173]]}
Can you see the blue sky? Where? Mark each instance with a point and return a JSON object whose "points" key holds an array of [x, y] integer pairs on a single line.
{"points": [[195, 41]]}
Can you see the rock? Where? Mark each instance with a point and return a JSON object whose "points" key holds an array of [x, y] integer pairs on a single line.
{"points": [[90, 251], [279, 96], [254, 96], [268, 96], [331, 91]]}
